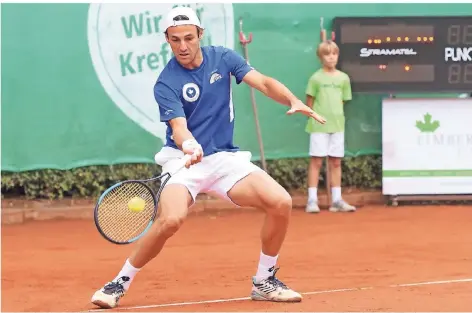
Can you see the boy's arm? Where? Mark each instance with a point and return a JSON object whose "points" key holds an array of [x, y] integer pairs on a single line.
{"points": [[309, 101], [347, 93], [311, 91]]}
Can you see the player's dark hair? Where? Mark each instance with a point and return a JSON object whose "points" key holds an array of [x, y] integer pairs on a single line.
{"points": [[183, 18]]}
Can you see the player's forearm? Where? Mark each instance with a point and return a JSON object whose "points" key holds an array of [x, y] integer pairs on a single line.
{"points": [[180, 131], [180, 135], [278, 92]]}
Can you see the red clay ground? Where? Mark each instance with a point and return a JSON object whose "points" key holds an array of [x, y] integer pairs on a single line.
{"points": [[57, 265]]}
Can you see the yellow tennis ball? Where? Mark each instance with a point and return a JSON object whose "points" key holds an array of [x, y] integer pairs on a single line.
{"points": [[136, 204]]}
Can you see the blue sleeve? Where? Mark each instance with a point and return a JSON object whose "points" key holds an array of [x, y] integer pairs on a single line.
{"points": [[168, 102], [237, 65]]}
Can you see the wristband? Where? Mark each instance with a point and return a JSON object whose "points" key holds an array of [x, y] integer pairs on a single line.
{"points": [[191, 144]]}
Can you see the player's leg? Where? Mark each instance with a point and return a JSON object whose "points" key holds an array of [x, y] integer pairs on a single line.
{"points": [[174, 201], [336, 153], [173, 205], [318, 150], [245, 184], [261, 191]]}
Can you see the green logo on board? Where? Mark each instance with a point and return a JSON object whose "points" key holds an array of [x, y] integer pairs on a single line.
{"points": [[427, 125]]}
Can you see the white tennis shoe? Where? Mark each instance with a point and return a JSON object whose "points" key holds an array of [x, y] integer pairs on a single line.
{"points": [[342, 206], [108, 296], [272, 289], [312, 206]]}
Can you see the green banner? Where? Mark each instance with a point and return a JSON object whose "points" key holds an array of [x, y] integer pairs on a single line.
{"points": [[77, 79], [427, 173]]}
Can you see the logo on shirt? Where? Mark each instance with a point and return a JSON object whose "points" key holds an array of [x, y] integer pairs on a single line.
{"points": [[191, 92], [331, 85], [129, 50], [215, 77]]}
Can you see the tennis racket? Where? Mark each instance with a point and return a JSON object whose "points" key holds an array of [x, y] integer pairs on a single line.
{"points": [[125, 211]]}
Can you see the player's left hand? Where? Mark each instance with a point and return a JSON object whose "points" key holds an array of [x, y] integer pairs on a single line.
{"points": [[299, 106], [193, 148]]}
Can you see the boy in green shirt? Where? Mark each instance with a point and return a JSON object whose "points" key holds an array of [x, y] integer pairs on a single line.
{"points": [[327, 90]]}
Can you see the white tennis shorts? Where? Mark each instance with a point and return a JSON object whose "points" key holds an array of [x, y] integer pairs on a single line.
{"points": [[215, 175], [327, 144]]}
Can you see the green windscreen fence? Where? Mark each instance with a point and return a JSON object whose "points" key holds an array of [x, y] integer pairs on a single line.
{"points": [[77, 79]]}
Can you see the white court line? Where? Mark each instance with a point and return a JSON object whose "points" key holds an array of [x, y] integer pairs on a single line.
{"points": [[437, 282]]}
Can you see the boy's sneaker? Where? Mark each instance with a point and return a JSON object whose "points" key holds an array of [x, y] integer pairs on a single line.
{"points": [[110, 294], [342, 206], [312, 206], [272, 289]]}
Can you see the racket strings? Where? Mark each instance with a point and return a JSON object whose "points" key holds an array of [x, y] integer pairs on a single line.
{"points": [[115, 218]]}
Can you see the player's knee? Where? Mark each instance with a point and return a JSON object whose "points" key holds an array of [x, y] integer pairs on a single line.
{"points": [[170, 225], [283, 205]]}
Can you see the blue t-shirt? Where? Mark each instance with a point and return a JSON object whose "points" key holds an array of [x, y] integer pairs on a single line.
{"points": [[203, 96]]}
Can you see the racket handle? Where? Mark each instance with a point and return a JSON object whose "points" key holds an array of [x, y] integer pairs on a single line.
{"points": [[182, 163]]}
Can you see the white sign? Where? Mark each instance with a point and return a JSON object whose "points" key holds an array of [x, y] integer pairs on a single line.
{"points": [[129, 50], [427, 146]]}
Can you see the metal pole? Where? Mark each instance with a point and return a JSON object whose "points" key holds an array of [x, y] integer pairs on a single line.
{"points": [[244, 42], [328, 172]]}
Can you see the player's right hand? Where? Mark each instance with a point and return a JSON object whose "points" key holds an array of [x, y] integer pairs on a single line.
{"points": [[299, 107], [193, 148]]}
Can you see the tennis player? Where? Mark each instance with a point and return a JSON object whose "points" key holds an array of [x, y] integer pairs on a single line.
{"points": [[193, 93]]}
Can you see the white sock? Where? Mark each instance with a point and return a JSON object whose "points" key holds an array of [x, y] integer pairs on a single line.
{"points": [[313, 193], [129, 271], [266, 263], [336, 194]]}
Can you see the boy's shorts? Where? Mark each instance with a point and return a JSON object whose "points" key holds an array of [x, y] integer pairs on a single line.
{"points": [[327, 144]]}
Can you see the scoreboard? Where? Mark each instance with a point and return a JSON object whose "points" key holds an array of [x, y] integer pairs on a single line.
{"points": [[406, 54]]}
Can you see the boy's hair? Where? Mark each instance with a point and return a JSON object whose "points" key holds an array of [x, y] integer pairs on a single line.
{"points": [[326, 47]]}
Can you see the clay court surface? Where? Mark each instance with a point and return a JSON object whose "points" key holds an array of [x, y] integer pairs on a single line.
{"points": [[341, 262]]}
